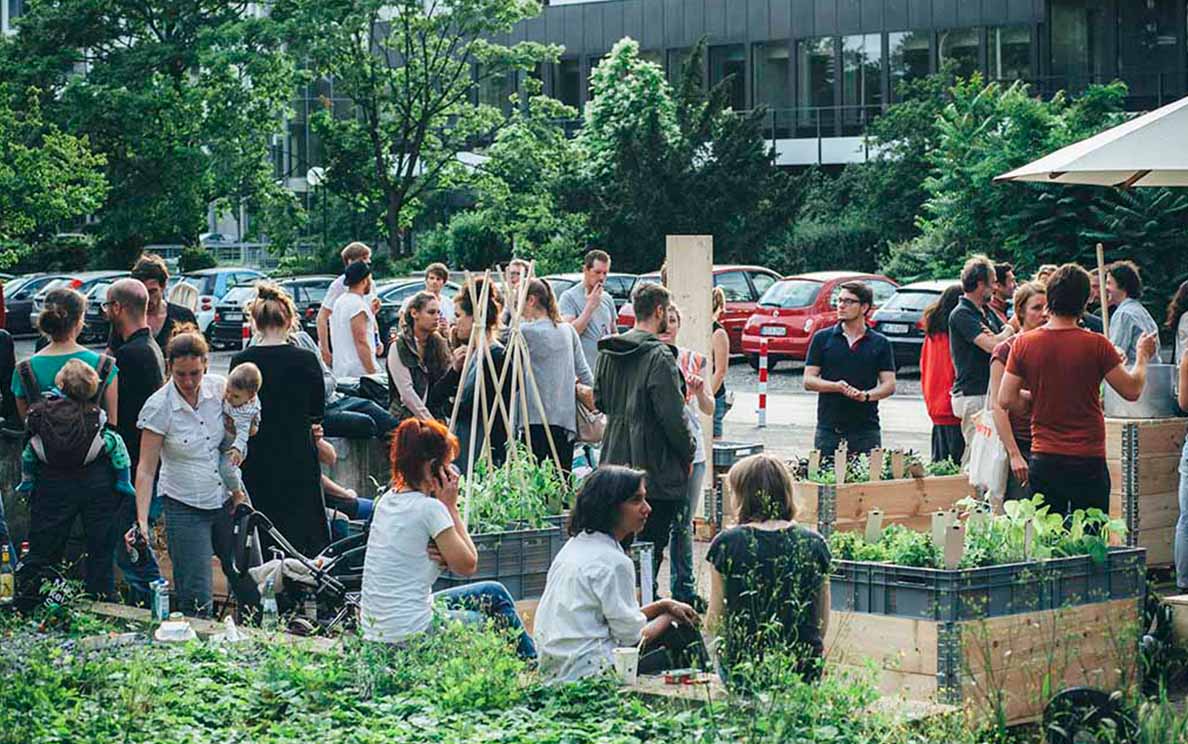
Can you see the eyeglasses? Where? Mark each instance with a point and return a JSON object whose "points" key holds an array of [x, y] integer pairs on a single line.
{"points": [[845, 301]]}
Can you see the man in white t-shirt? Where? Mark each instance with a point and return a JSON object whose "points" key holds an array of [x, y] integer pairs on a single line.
{"points": [[353, 253], [354, 334]]}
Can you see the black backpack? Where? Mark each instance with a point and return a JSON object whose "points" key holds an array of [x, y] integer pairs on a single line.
{"points": [[65, 434]]}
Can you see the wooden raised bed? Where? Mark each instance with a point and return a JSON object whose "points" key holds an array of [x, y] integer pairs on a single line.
{"points": [[998, 641], [907, 501], [1143, 456]]}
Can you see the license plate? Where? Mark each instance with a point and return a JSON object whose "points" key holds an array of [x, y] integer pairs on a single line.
{"points": [[896, 329], [773, 331], [233, 316]]}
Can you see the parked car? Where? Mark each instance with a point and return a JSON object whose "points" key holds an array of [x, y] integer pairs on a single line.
{"points": [[793, 309], [899, 319], [83, 281], [213, 284], [307, 293], [392, 295], [97, 327], [18, 301], [618, 284], [228, 328], [743, 285]]}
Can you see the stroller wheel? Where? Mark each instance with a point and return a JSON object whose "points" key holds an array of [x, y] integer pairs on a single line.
{"points": [[300, 626]]}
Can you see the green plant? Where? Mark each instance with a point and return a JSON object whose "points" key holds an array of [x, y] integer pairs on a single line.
{"points": [[194, 258], [520, 494]]}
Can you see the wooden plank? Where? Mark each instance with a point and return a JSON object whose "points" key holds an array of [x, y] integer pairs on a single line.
{"points": [[526, 609], [1159, 542], [893, 684], [894, 643], [1155, 436], [1155, 474], [805, 495], [653, 686], [907, 501]]}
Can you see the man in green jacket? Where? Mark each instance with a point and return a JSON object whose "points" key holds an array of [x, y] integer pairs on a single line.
{"points": [[638, 387]]}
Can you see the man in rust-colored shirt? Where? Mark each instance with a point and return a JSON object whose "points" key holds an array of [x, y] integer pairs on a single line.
{"points": [[1063, 366]]}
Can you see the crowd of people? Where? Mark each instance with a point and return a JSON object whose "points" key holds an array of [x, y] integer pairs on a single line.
{"points": [[143, 430]]}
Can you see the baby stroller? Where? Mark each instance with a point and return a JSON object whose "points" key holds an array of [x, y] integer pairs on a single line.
{"points": [[323, 589]]}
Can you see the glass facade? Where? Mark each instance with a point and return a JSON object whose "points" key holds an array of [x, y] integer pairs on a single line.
{"points": [[1009, 56], [771, 83], [674, 63], [816, 64], [567, 85], [1151, 50], [1077, 53], [960, 47], [496, 90], [910, 57], [730, 61], [862, 79]]}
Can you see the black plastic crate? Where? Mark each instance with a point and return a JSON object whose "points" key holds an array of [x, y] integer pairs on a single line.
{"points": [[728, 453], [518, 559], [968, 594]]}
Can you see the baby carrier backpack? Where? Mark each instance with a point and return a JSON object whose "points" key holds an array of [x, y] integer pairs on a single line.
{"points": [[64, 433]]}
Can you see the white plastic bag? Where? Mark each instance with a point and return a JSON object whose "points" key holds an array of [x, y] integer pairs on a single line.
{"points": [[988, 459]]}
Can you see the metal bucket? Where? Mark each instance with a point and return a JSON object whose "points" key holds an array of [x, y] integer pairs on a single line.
{"points": [[1157, 401]]}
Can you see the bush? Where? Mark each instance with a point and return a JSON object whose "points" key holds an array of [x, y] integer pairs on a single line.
{"points": [[814, 245], [194, 258], [64, 252]]}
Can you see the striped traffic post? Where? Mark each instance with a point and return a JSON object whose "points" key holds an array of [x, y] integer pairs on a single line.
{"points": [[762, 383]]}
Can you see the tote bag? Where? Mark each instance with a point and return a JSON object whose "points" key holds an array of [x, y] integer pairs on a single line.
{"points": [[988, 459]]}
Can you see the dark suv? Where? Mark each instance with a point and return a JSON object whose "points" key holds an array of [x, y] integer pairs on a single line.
{"points": [[899, 318]]}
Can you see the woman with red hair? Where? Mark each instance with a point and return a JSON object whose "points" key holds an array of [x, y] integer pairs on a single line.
{"points": [[415, 532]]}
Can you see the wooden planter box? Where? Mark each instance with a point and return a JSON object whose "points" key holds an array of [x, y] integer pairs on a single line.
{"points": [[909, 501], [1143, 456], [998, 641]]}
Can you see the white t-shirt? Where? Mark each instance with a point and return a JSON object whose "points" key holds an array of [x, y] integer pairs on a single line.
{"points": [[347, 362], [398, 576], [337, 289]]}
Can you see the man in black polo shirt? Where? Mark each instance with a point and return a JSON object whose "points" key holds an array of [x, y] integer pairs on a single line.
{"points": [[974, 331], [852, 368], [141, 373]]}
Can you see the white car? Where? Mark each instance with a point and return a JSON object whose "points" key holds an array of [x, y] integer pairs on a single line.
{"points": [[213, 284]]}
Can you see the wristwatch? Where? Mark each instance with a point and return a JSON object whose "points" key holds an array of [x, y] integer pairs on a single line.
{"points": [[866, 396]]}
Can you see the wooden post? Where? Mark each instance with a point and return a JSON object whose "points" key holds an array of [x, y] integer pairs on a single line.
{"points": [[876, 464], [840, 458], [1104, 297], [874, 525], [896, 464], [814, 463]]}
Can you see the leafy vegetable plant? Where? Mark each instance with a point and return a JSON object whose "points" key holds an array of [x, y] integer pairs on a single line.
{"points": [[520, 494]]}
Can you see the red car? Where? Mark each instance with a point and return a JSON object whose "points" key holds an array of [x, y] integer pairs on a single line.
{"points": [[743, 285], [795, 308]]}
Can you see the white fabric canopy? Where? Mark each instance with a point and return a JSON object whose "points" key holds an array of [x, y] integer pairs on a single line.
{"points": [[1151, 150]]}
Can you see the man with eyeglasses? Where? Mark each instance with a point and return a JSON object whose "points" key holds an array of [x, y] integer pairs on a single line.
{"points": [[851, 368]]}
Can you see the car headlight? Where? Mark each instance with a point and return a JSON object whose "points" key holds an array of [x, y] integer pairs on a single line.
{"points": [[808, 325]]}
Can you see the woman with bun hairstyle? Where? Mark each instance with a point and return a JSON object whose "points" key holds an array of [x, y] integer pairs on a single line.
{"points": [[60, 496], [281, 471], [416, 531]]}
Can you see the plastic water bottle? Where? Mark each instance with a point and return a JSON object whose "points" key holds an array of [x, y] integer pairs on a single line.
{"points": [[269, 616], [160, 599]]}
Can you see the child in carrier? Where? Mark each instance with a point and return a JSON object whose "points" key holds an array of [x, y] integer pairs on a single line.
{"points": [[68, 426], [241, 419]]}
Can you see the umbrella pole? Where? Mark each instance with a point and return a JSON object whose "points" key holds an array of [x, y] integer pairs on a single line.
{"points": [[1103, 295]]}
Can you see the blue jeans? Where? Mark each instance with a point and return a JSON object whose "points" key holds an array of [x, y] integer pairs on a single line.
{"points": [[474, 603], [357, 418], [1182, 524], [137, 577], [194, 535], [720, 409], [681, 580]]}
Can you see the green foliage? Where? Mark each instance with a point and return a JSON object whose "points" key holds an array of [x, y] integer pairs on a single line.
{"points": [[61, 252], [991, 540], [654, 161], [811, 245], [411, 70], [519, 495], [180, 100], [195, 259], [48, 177]]}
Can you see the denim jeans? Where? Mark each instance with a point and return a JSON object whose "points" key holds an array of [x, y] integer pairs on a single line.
{"points": [[1182, 525], [357, 418], [58, 499], [483, 600], [682, 579], [720, 409], [137, 577], [194, 535]]}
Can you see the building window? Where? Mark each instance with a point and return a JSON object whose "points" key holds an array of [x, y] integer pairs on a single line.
{"points": [[862, 79], [653, 56], [730, 61], [1076, 34], [1010, 53], [674, 65], [816, 61], [910, 57], [496, 90], [567, 83], [961, 47], [771, 83]]}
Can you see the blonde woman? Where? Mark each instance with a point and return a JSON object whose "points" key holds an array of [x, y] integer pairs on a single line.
{"points": [[769, 579]]}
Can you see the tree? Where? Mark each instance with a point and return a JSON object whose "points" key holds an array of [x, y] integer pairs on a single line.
{"points": [[47, 177], [412, 69], [654, 162], [181, 99]]}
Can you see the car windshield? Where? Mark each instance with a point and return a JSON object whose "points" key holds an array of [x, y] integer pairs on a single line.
{"points": [[205, 284], [55, 284], [911, 300], [315, 292], [97, 292], [646, 279], [239, 295], [791, 293], [13, 284]]}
